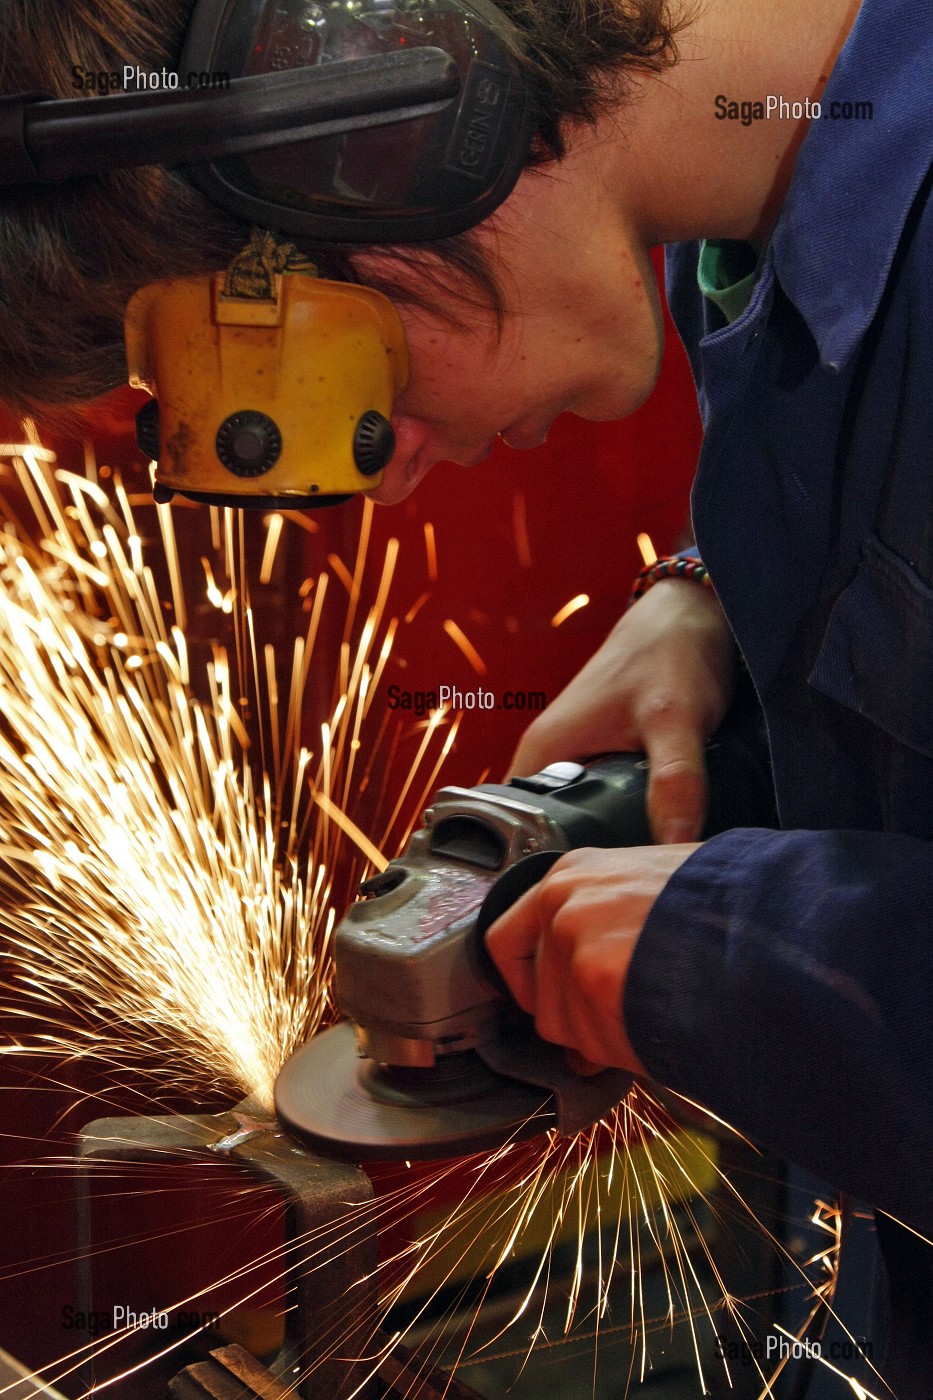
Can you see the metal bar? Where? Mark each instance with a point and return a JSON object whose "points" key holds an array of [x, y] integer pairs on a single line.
{"points": [[230, 1373], [409, 1379]]}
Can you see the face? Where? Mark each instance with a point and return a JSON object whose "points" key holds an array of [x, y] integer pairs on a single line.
{"points": [[581, 333]]}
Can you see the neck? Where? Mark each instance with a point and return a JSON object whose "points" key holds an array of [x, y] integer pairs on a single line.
{"points": [[686, 173]]}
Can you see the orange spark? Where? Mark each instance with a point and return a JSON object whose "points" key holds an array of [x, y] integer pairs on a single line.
{"points": [[301, 518], [274, 525], [339, 817], [342, 572], [416, 607], [648, 551], [520, 529], [19, 449], [431, 548], [575, 604], [466, 646]]}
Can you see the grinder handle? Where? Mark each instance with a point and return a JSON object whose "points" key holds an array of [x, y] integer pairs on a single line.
{"points": [[602, 803]]}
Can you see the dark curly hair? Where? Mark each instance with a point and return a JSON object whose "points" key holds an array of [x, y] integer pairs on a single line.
{"points": [[71, 255]]}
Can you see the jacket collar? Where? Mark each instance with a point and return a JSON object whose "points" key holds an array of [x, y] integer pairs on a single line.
{"points": [[854, 181]]}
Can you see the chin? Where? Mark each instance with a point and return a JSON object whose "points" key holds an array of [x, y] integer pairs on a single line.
{"points": [[627, 396]]}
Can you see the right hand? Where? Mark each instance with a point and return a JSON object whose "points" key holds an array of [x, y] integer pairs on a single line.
{"points": [[661, 682]]}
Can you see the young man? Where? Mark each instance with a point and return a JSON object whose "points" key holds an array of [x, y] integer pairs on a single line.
{"points": [[780, 978]]}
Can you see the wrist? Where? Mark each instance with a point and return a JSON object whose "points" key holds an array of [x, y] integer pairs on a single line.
{"points": [[689, 567]]}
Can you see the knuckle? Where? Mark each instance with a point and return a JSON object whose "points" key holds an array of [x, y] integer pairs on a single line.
{"points": [[660, 706], [549, 901], [593, 973], [676, 772], [564, 932], [589, 977], [554, 891]]}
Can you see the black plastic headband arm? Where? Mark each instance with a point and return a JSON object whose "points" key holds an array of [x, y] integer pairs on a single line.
{"points": [[44, 140]]}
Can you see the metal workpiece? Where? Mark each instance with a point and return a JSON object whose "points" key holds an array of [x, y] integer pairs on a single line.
{"points": [[230, 1373], [331, 1303], [19, 1382]]}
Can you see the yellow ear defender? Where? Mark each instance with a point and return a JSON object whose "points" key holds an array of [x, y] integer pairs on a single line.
{"points": [[270, 388]]}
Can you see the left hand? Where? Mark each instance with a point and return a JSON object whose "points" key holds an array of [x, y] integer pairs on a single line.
{"points": [[565, 947]]}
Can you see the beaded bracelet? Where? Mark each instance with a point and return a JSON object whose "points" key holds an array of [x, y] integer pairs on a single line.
{"points": [[670, 566]]}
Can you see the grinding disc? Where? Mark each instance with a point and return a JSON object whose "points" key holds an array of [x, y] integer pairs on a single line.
{"points": [[356, 1109]]}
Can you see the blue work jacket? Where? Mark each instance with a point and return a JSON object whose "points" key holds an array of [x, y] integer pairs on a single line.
{"points": [[785, 979]]}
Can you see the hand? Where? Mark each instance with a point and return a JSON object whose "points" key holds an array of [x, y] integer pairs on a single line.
{"points": [[661, 682], [565, 947]]}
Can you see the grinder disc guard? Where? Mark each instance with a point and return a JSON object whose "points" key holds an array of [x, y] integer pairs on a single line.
{"points": [[356, 1109]]}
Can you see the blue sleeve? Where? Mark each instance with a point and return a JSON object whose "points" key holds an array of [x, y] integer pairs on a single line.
{"points": [[784, 980]]}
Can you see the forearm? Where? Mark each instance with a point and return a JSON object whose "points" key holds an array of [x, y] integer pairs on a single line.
{"points": [[784, 981]]}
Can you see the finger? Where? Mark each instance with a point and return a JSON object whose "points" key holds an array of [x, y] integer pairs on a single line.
{"points": [[533, 967], [677, 784], [512, 943], [576, 741], [573, 731], [552, 987], [537, 748]]}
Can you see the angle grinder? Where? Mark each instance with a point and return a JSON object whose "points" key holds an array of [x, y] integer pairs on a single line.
{"points": [[435, 1060]]}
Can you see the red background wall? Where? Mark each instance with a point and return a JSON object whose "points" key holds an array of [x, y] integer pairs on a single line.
{"points": [[516, 538]]}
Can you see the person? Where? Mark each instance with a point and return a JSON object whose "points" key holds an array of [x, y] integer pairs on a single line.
{"points": [[779, 978]]}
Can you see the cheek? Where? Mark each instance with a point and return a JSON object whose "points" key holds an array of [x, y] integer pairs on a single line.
{"points": [[446, 372]]}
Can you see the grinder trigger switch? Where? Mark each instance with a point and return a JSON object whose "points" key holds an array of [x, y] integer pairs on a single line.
{"points": [[554, 776]]}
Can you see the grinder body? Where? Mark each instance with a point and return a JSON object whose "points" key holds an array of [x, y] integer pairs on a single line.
{"points": [[432, 1018]]}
